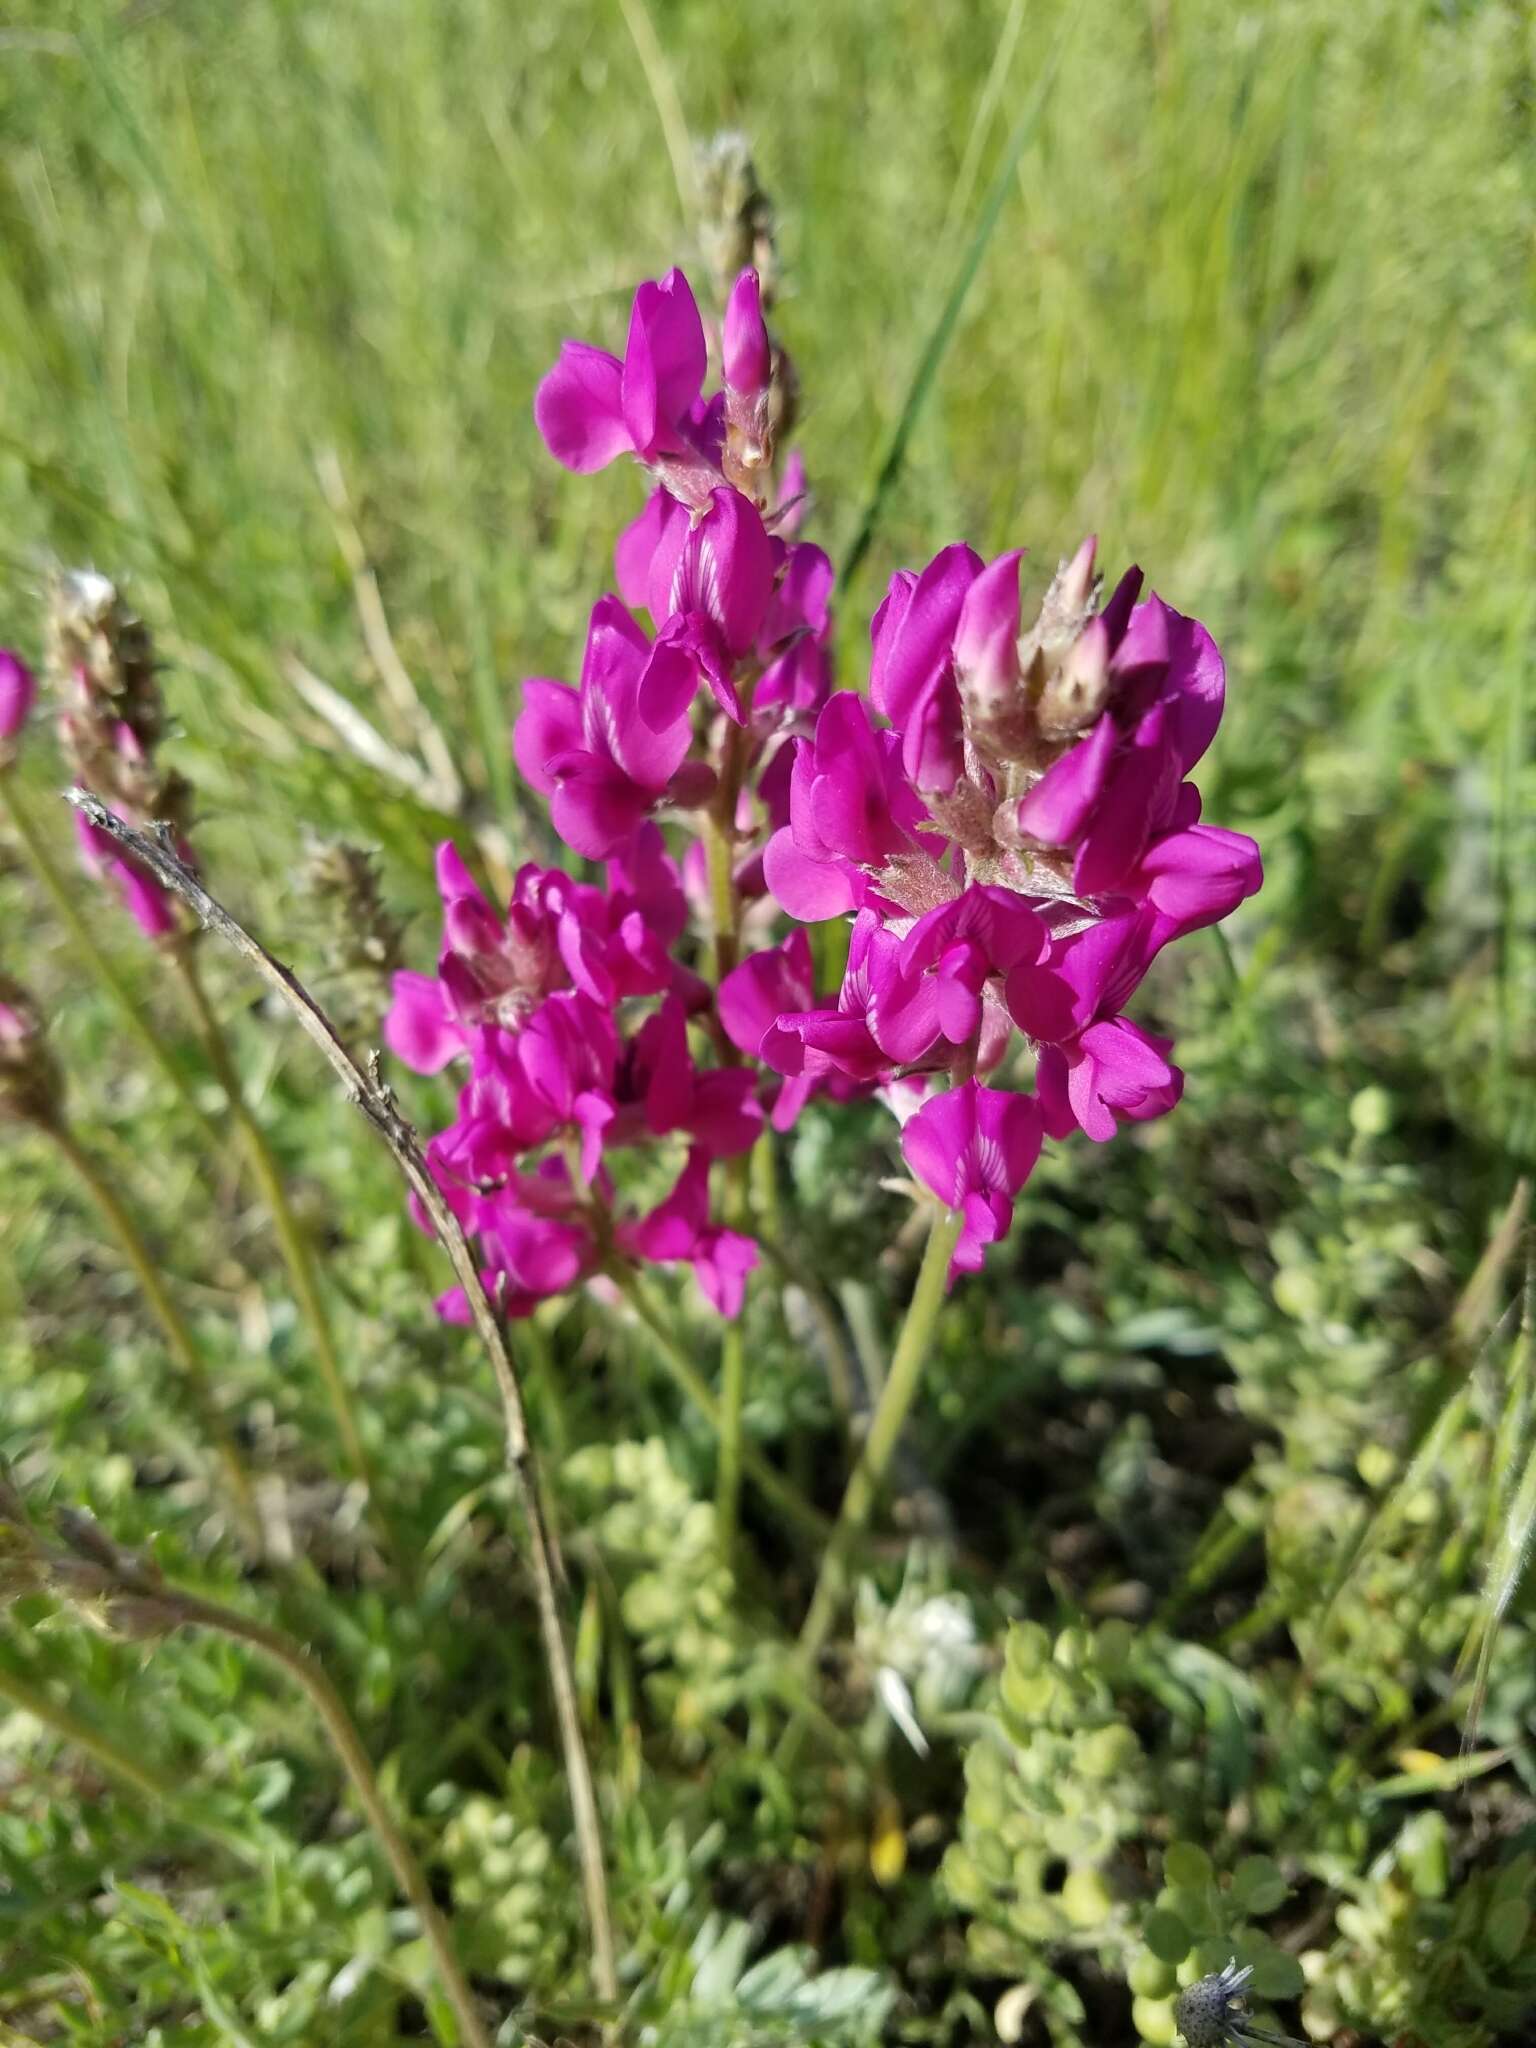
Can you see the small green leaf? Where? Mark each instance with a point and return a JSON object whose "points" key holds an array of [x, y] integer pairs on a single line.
{"points": [[1258, 1885], [1276, 1973], [1150, 1977], [1153, 2018], [1506, 1927], [1166, 1935], [1186, 1866], [1086, 1898]]}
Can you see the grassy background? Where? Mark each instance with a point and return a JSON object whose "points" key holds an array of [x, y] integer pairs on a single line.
{"points": [[1258, 308]]}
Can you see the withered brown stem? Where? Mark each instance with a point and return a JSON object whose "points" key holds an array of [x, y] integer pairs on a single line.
{"points": [[366, 1089]]}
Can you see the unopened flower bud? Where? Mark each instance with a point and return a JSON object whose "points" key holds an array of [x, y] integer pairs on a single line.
{"points": [[31, 1086], [752, 391], [18, 688], [1074, 579], [102, 664], [746, 355], [998, 716], [101, 658], [1075, 695]]}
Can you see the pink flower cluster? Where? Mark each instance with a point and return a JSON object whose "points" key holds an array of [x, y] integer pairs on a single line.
{"points": [[1005, 823]]}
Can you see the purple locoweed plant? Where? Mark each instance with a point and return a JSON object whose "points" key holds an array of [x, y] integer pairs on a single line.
{"points": [[1005, 822]]}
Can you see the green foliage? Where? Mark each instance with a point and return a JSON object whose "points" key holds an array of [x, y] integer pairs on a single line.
{"points": [[1452, 1964], [1223, 1477]]}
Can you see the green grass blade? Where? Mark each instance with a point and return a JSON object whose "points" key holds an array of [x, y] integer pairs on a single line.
{"points": [[937, 345]]}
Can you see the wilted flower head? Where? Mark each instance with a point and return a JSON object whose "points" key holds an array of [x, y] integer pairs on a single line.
{"points": [[922, 1649]]}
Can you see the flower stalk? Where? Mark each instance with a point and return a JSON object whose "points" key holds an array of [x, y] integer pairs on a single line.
{"points": [[885, 1427], [774, 1488]]}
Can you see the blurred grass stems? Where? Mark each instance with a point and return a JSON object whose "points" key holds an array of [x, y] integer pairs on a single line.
{"points": [[298, 1254], [885, 1427], [149, 1608], [178, 1337], [943, 331], [153, 1787], [311, 1676], [369, 1094], [54, 887]]}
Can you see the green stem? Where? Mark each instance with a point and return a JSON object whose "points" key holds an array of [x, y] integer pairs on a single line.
{"points": [[797, 1273], [891, 1410], [178, 1338], [733, 1389], [773, 1487], [722, 896], [733, 1378], [297, 1253], [312, 1677], [59, 895]]}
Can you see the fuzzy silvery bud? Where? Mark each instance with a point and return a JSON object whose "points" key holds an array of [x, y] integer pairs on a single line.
{"points": [[1073, 697]]}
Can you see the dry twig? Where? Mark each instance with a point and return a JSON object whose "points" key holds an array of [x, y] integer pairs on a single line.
{"points": [[376, 1101]]}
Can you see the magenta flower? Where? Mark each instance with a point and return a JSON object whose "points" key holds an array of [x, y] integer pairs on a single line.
{"points": [[1113, 1069], [1116, 791], [710, 584], [974, 1148], [532, 1240], [766, 988], [152, 908], [852, 810], [18, 691], [912, 666], [660, 1089], [944, 983], [1007, 819], [557, 934], [679, 1229], [824, 1043], [591, 408], [603, 765]]}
